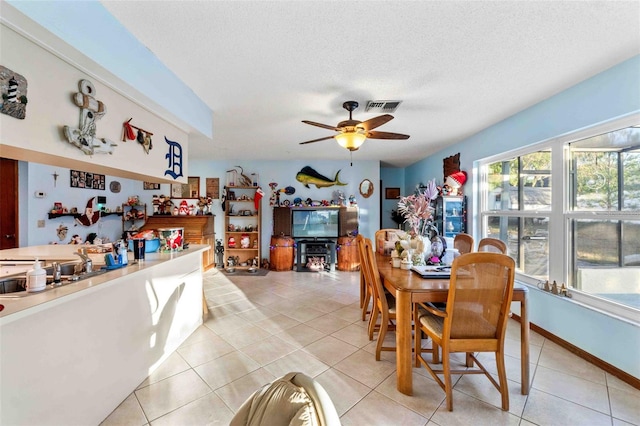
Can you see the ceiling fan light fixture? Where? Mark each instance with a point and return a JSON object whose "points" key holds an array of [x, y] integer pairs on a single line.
{"points": [[351, 140]]}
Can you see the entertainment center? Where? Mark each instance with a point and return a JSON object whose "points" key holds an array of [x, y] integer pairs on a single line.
{"points": [[316, 231]]}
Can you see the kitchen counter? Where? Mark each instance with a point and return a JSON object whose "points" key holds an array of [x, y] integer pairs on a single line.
{"points": [[49, 252], [72, 354], [64, 253]]}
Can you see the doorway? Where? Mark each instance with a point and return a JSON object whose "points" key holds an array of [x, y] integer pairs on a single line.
{"points": [[9, 202]]}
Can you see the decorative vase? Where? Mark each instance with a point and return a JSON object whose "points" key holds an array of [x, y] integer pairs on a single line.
{"points": [[406, 264]]}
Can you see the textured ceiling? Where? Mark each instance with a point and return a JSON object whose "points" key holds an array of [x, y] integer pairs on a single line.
{"points": [[458, 67]]}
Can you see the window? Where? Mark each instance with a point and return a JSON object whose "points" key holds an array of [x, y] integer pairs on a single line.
{"points": [[569, 210], [519, 201], [604, 197]]}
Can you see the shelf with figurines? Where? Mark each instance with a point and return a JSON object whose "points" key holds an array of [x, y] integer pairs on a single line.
{"points": [[165, 206], [59, 210]]}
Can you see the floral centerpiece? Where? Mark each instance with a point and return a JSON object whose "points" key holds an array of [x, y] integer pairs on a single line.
{"points": [[418, 214], [417, 210]]}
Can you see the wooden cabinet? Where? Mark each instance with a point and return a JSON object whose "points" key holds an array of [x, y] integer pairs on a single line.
{"points": [[197, 230], [347, 223], [242, 222]]}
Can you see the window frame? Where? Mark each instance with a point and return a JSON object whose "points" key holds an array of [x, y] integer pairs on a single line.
{"points": [[560, 214]]}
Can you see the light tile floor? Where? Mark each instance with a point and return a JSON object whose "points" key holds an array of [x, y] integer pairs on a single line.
{"points": [[260, 328]]}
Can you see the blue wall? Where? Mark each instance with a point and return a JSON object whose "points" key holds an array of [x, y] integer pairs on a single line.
{"points": [[391, 178], [609, 95], [38, 177]]}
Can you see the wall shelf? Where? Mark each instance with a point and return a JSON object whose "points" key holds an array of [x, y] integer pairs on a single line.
{"points": [[77, 215]]}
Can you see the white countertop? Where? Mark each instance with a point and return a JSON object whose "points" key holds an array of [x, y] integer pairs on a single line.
{"points": [[44, 252], [14, 307]]}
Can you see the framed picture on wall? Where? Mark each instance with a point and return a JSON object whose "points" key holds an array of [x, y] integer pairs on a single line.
{"points": [[150, 185], [75, 179], [186, 190], [213, 188], [392, 193], [87, 180]]}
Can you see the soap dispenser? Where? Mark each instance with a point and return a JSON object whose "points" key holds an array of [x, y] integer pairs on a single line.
{"points": [[36, 278], [122, 253]]}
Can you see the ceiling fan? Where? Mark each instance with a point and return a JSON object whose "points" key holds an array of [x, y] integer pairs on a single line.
{"points": [[352, 133]]}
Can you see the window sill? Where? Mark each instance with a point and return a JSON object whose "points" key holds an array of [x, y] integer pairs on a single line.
{"points": [[596, 304]]}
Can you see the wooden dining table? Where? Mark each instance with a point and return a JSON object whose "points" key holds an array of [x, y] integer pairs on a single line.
{"points": [[409, 287]]}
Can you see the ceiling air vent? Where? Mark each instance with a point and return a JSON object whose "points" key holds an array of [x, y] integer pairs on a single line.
{"points": [[382, 106]]}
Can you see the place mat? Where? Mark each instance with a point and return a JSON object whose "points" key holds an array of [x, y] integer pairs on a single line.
{"points": [[243, 273]]}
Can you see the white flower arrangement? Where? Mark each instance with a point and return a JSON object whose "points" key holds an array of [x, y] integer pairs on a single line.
{"points": [[417, 209]]}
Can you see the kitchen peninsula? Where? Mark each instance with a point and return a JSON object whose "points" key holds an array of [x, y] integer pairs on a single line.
{"points": [[71, 354]]}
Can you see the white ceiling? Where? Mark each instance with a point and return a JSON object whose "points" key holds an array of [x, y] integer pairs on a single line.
{"points": [[458, 67]]}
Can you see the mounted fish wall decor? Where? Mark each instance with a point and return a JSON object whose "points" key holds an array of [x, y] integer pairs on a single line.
{"points": [[14, 93], [308, 176], [91, 110]]}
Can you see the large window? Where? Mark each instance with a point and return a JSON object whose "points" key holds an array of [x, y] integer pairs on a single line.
{"points": [[519, 202], [604, 200], [584, 230]]}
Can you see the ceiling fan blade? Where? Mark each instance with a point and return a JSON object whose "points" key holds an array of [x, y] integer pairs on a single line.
{"points": [[374, 122], [317, 140], [324, 126], [386, 135]]}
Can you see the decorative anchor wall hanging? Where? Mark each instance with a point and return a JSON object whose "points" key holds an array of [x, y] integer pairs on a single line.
{"points": [[91, 110]]}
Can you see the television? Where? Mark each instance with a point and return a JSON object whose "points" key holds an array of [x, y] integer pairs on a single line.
{"points": [[320, 223]]}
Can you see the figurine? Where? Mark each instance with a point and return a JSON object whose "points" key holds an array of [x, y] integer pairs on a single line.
{"points": [[274, 199], [62, 232], [156, 204]]}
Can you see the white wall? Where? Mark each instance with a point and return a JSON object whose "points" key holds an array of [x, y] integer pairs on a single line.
{"points": [[51, 83]]}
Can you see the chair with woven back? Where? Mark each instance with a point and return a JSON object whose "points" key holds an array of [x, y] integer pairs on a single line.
{"points": [[475, 319], [383, 235], [463, 243], [492, 245], [383, 303]]}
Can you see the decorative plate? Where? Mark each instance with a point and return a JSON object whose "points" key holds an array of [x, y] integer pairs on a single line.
{"points": [[115, 186]]}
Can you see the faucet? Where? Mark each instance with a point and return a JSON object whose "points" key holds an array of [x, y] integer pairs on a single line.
{"points": [[57, 271], [87, 263]]}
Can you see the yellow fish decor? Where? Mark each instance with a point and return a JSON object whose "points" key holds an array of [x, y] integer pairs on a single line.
{"points": [[308, 176]]}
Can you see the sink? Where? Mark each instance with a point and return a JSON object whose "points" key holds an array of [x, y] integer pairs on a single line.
{"points": [[13, 286], [65, 268]]}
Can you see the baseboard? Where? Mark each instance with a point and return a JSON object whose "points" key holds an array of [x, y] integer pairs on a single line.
{"points": [[615, 371]]}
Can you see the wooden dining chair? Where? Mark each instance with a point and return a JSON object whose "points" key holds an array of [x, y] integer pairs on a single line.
{"points": [[384, 304], [475, 319], [366, 292], [381, 236], [463, 243], [492, 245]]}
